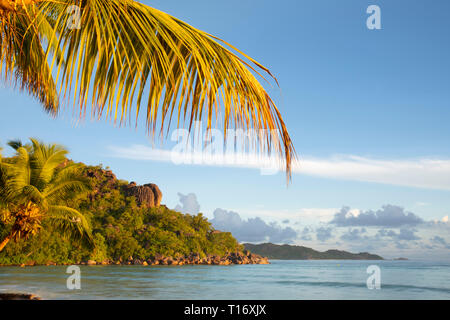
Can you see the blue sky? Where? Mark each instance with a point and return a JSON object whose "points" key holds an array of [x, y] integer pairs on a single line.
{"points": [[346, 91]]}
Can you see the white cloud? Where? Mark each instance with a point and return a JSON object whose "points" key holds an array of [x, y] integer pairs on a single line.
{"points": [[267, 165], [388, 216], [188, 204], [316, 214], [422, 173], [303, 216], [252, 229]]}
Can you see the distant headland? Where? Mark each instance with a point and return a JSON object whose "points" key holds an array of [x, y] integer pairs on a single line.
{"points": [[291, 252]]}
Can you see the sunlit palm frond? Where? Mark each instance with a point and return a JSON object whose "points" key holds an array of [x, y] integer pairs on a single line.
{"points": [[129, 58], [44, 161], [15, 144], [70, 222], [23, 34], [18, 174], [66, 183], [3, 176], [2, 182], [32, 194]]}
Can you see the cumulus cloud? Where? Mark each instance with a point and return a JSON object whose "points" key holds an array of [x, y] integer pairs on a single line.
{"points": [[437, 225], [389, 217], [354, 235], [440, 241], [423, 173], [403, 234], [407, 235], [323, 234], [189, 204], [306, 234], [251, 230]]}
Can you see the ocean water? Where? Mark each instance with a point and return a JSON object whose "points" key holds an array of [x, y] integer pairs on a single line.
{"points": [[291, 280]]}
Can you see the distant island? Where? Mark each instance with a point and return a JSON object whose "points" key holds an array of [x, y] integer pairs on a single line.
{"points": [[290, 252]]}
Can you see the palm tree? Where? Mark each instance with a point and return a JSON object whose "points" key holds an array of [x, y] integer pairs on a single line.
{"points": [[35, 186], [3, 205], [109, 54]]}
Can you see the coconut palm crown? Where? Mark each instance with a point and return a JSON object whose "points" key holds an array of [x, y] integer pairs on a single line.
{"points": [[35, 186]]}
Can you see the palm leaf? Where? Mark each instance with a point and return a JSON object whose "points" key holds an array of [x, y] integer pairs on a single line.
{"points": [[18, 175], [66, 183], [2, 181], [23, 57], [128, 56], [45, 159], [15, 144], [70, 223]]}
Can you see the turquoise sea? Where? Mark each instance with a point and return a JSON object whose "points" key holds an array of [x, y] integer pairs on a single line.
{"points": [[291, 280]]}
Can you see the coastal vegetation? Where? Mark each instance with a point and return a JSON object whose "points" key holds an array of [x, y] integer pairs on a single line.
{"points": [[67, 202]]}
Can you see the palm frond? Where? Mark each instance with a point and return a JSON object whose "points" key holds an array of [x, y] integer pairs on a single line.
{"points": [[44, 160], [2, 182], [127, 56], [70, 222], [18, 174], [67, 183], [15, 144], [24, 32], [31, 193]]}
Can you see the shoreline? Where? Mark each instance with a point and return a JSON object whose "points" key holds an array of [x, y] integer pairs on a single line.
{"points": [[234, 258]]}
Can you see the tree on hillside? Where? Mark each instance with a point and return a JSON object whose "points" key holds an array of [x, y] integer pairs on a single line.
{"points": [[35, 186]]}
